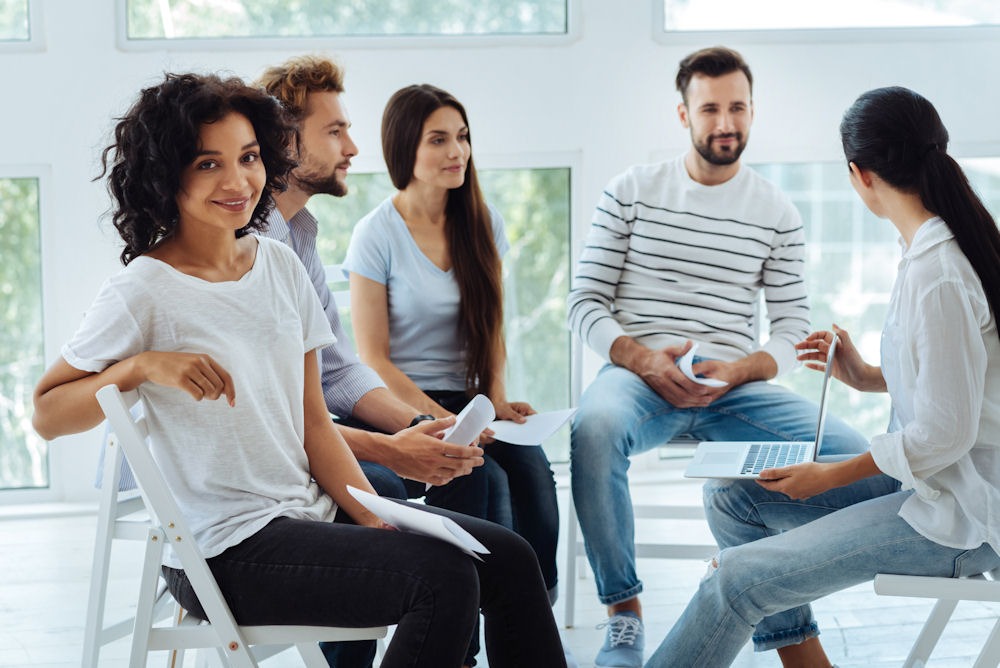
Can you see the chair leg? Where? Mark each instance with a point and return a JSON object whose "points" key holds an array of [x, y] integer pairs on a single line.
{"points": [[930, 634], [144, 613], [990, 656], [93, 630], [311, 655], [570, 575]]}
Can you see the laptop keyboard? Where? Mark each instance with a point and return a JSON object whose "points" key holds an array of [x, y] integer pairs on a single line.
{"points": [[772, 455]]}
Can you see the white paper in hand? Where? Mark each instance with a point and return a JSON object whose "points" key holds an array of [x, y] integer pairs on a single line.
{"points": [[470, 423], [414, 520], [684, 364], [535, 428]]}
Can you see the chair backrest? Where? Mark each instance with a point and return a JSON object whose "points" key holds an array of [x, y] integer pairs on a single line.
{"points": [[121, 515], [132, 434], [168, 525]]}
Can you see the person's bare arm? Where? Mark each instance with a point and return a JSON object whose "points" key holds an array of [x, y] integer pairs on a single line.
{"points": [[64, 398], [370, 317], [848, 366], [330, 460], [417, 452]]}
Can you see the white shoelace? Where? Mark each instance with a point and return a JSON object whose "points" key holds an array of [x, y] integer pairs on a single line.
{"points": [[624, 630]]}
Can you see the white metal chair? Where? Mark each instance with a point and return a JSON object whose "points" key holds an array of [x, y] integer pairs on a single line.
{"points": [[239, 646], [574, 542], [948, 592]]}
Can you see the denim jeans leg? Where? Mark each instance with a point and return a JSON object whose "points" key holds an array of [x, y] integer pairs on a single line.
{"points": [[619, 415], [826, 551], [533, 501], [741, 511]]}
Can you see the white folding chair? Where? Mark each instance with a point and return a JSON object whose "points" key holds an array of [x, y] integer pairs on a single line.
{"points": [[121, 516], [239, 646], [948, 592]]}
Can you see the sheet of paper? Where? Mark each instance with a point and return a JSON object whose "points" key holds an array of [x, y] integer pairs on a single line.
{"points": [[684, 364], [414, 520], [470, 422], [536, 428]]}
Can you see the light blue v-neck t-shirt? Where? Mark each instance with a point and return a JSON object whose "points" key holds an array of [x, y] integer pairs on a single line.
{"points": [[423, 300]]}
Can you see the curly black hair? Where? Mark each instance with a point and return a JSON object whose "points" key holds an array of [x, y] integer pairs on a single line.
{"points": [[158, 137]]}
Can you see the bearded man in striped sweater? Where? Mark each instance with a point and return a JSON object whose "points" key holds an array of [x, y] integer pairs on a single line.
{"points": [[678, 254]]}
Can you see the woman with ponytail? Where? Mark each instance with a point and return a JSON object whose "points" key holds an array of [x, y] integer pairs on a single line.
{"points": [[924, 499], [427, 296]]}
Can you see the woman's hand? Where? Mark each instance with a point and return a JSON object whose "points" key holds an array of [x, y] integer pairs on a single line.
{"points": [[515, 411], [848, 366], [800, 481], [197, 374]]}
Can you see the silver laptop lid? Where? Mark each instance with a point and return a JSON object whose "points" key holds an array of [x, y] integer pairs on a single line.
{"points": [[823, 393]]}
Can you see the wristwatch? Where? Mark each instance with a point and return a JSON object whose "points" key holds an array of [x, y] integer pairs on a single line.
{"points": [[421, 418]]}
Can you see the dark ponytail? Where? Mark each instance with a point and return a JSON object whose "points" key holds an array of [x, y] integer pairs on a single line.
{"points": [[897, 134]]}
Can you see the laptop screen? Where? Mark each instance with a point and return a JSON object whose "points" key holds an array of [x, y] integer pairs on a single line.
{"points": [[822, 397]]}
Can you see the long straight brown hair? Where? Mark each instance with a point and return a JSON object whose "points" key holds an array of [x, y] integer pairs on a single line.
{"points": [[468, 229]]}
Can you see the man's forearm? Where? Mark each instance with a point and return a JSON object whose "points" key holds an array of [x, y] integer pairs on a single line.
{"points": [[627, 352], [381, 409], [756, 366], [367, 446]]}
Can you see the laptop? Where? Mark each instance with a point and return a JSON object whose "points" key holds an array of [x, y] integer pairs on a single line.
{"points": [[746, 459]]}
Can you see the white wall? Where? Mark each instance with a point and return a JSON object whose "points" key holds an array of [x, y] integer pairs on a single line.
{"points": [[606, 98]]}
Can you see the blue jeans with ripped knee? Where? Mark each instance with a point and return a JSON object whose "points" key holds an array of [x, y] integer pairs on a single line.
{"points": [[620, 415], [778, 555]]}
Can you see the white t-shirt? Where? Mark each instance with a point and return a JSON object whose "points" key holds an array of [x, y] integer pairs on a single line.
{"points": [[232, 469], [423, 300]]}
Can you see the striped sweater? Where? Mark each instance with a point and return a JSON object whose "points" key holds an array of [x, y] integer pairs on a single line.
{"points": [[668, 259]]}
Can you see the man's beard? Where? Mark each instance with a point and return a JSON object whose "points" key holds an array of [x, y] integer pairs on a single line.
{"points": [[721, 158], [316, 183]]}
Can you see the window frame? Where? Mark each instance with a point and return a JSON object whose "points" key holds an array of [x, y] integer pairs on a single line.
{"points": [[36, 33], [817, 35], [343, 43], [42, 173]]}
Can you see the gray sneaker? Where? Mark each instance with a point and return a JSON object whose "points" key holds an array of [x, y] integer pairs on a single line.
{"points": [[624, 643]]}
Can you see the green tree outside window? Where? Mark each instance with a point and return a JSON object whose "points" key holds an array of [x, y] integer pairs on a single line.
{"points": [[23, 455]]}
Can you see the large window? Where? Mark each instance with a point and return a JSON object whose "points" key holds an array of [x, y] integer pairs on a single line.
{"points": [[851, 264], [14, 20], [712, 15], [187, 19], [23, 455], [535, 206]]}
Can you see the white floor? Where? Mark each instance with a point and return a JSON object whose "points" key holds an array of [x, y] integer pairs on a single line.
{"points": [[45, 567]]}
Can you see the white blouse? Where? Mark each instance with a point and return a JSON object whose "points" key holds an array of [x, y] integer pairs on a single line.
{"points": [[941, 363]]}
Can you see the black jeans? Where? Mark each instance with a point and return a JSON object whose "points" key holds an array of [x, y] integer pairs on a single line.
{"points": [[532, 491], [319, 573], [483, 494]]}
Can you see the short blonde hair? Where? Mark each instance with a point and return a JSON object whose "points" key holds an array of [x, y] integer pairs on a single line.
{"points": [[294, 79]]}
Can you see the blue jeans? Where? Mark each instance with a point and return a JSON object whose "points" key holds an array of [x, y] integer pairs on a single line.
{"points": [[620, 415], [322, 573], [778, 555]]}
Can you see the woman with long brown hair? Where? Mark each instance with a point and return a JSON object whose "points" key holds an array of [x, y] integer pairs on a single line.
{"points": [[427, 295]]}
